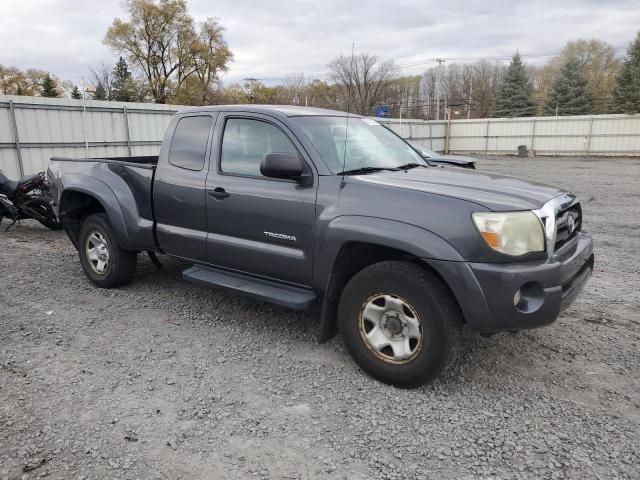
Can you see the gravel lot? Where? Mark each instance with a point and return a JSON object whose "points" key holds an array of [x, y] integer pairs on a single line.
{"points": [[165, 379]]}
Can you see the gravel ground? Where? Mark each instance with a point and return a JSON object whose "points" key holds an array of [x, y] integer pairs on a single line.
{"points": [[164, 379]]}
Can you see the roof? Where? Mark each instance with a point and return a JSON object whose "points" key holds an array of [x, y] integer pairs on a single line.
{"points": [[286, 110]]}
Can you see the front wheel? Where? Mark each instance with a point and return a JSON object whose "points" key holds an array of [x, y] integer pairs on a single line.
{"points": [[103, 261], [400, 323]]}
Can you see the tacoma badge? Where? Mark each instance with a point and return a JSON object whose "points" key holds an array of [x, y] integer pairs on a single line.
{"points": [[281, 236]]}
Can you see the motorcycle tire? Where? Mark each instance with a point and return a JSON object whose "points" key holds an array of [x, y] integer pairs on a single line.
{"points": [[43, 213]]}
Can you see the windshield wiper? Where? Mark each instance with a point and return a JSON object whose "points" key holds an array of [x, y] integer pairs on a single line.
{"points": [[407, 166], [363, 170]]}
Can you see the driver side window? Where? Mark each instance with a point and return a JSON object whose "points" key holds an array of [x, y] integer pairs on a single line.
{"points": [[245, 142]]}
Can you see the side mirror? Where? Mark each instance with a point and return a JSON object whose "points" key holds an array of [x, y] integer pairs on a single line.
{"points": [[284, 165]]}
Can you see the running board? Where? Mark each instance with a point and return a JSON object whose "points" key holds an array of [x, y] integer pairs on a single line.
{"points": [[258, 288]]}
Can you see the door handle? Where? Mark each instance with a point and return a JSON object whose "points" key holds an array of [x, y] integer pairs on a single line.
{"points": [[219, 193]]}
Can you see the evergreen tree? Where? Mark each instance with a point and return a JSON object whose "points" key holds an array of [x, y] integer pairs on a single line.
{"points": [[627, 92], [514, 98], [49, 87], [100, 93], [123, 88], [569, 91], [75, 93]]}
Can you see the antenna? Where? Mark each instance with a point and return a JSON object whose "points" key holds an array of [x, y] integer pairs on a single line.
{"points": [[346, 128]]}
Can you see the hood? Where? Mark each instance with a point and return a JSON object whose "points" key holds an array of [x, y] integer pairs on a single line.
{"points": [[491, 190]]}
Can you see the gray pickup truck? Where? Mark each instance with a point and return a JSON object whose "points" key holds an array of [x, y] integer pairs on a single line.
{"points": [[303, 206]]}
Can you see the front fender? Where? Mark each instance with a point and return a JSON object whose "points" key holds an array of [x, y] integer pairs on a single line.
{"points": [[382, 232], [378, 231]]}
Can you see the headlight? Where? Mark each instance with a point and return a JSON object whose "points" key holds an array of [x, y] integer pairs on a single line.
{"points": [[512, 233]]}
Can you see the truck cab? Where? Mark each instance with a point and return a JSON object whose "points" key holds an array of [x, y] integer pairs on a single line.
{"points": [[302, 206]]}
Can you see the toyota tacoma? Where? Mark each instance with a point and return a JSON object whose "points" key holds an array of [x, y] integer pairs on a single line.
{"points": [[303, 206]]}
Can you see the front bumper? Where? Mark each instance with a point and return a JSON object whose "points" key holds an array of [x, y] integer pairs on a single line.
{"points": [[486, 291]]}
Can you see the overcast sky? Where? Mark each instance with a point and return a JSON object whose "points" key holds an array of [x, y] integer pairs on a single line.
{"points": [[272, 39]]}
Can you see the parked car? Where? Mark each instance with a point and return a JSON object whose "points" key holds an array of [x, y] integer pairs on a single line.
{"points": [[435, 158], [302, 206]]}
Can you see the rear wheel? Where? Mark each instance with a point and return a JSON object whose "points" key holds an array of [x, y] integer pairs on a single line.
{"points": [[400, 323], [103, 261]]}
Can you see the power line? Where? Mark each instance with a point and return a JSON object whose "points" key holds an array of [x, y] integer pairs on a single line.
{"points": [[489, 57]]}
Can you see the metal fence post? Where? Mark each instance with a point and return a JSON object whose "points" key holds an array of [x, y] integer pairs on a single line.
{"points": [[447, 136], [486, 140], [533, 137], [126, 128], [16, 138], [430, 137], [589, 137]]}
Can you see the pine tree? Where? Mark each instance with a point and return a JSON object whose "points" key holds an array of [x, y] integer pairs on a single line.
{"points": [[627, 92], [122, 85], [569, 92], [75, 93], [514, 98], [49, 87], [100, 93]]}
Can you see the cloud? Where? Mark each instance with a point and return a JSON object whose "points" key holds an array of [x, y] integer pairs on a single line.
{"points": [[274, 39]]}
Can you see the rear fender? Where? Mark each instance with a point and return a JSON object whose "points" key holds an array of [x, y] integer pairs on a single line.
{"points": [[104, 195]]}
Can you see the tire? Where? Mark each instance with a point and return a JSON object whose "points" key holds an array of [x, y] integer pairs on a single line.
{"points": [[51, 224], [40, 209], [415, 314], [103, 261]]}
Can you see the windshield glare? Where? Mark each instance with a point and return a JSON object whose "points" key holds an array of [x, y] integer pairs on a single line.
{"points": [[366, 143]]}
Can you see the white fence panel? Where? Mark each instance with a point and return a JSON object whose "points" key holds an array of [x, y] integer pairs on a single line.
{"points": [[49, 127], [63, 127]]}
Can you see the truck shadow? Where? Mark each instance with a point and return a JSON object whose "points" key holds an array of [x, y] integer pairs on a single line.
{"points": [[215, 303]]}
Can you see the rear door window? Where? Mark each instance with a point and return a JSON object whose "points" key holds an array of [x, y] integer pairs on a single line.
{"points": [[189, 143]]}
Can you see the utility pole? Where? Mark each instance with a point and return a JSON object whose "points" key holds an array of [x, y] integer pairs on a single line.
{"points": [[440, 61], [252, 81], [469, 101]]}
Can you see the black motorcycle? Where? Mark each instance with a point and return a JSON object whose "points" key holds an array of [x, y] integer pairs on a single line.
{"points": [[28, 197]]}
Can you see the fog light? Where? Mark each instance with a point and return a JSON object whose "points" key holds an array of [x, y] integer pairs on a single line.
{"points": [[516, 298], [529, 297]]}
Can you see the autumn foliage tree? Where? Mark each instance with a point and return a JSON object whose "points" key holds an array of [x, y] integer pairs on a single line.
{"points": [[162, 40], [598, 63], [14, 81]]}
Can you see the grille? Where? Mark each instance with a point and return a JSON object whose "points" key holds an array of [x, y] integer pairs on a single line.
{"points": [[565, 231]]}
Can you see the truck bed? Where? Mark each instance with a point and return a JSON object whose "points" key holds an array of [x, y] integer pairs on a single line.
{"points": [[150, 160], [127, 183]]}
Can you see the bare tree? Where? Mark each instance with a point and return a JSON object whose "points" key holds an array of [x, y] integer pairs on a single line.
{"points": [[469, 89], [101, 75], [294, 86], [361, 80], [405, 93]]}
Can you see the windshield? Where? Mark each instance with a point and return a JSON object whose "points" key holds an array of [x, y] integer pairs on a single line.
{"points": [[366, 144]]}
